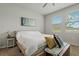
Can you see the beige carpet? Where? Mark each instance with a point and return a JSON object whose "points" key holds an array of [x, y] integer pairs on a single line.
{"points": [[74, 51], [10, 52]]}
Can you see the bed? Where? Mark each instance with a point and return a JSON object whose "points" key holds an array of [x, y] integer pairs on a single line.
{"points": [[31, 42]]}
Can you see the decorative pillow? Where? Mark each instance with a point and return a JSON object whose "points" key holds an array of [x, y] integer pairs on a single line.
{"points": [[60, 40], [50, 42], [57, 39]]}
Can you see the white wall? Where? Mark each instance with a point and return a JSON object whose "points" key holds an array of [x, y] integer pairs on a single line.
{"points": [[70, 37], [10, 19]]}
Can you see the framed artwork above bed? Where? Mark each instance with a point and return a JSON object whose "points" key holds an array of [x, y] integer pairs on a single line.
{"points": [[28, 21]]}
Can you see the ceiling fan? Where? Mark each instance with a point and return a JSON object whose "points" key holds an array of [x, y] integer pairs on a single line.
{"points": [[53, 4]]}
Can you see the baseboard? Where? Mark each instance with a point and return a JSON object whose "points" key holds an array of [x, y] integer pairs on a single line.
{"points": [[74, 44], [3, 47]]}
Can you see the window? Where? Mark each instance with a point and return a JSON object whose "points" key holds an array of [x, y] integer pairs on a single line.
{"points": [[73, 20], [71, 24], [56, 21]]}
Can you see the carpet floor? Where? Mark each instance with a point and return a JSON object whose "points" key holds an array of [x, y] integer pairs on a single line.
{"points": [[10, 52], [74, 51]]}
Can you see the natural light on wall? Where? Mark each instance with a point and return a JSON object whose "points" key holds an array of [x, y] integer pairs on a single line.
{"points": [[56, 21]]}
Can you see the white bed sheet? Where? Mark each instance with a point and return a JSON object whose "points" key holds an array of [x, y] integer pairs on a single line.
{"points": [[30, 40]]}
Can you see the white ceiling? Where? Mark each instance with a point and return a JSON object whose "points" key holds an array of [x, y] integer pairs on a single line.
{"points": [[37, 7]]}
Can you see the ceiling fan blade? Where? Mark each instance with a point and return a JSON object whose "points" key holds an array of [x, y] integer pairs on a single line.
{"points": [[53, 4], [44, 5]]}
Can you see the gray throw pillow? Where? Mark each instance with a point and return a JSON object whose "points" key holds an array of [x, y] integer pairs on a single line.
{"points": [[60, 40], [57, 40]]}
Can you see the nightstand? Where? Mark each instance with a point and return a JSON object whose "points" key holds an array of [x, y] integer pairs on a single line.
{"points": [[11, 42]]}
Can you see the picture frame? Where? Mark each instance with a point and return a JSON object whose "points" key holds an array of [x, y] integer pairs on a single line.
{"points": [[28, 21]]}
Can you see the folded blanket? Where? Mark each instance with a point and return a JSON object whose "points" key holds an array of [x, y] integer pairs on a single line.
{"points": [[55, 51]]}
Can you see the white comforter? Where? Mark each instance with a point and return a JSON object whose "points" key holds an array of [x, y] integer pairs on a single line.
{"points": [[30, 40]]}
